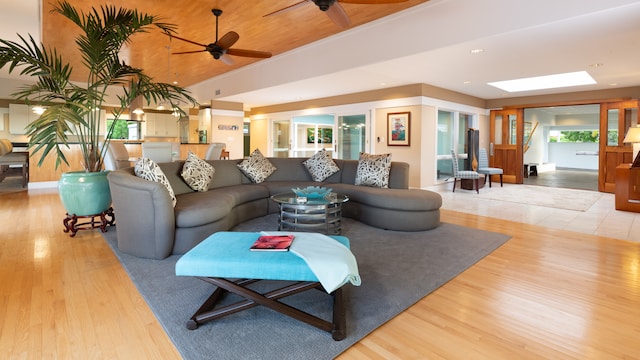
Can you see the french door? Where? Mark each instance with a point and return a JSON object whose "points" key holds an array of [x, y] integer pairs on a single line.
{"points": [[506, 136], [615, 120], [343, 136]]}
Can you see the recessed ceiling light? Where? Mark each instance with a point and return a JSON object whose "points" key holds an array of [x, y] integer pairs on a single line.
{"points": [[467, 82], [477, 51], [577, 78]]}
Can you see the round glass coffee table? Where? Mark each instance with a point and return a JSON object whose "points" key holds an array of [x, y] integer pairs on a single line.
{"points": [[311, 214]]}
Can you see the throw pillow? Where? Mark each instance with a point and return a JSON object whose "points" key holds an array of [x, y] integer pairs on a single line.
{"points": [[197, 173], [373, 170], [257, 167], [147, 169], [321, 165]]}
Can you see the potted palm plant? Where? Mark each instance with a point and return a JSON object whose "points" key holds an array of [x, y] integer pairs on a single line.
{"points": [[73, 109]]}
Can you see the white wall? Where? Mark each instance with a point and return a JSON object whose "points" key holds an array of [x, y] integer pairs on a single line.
{"points": [[574, 155]]}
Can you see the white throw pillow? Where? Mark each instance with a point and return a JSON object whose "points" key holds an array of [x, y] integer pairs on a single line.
{"points": [[197, 173], [257, 167], [147, 169], [321, 166], [373, 170]]}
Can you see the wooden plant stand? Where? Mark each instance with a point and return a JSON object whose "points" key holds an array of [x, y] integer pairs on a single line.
{"points": [[72, 225]]}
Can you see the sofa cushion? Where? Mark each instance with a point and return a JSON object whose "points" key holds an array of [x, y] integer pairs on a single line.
{"points": [[321, 166], [201, 208], [197, 173], [148, 169], [373, 170], [257, 167]]}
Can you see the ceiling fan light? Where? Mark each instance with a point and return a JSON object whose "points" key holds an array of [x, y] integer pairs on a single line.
{"points": [[38, 109], [324, 5]]}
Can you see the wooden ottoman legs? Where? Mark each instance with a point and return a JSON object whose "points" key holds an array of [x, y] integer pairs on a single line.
{"points": [[208, 312]]}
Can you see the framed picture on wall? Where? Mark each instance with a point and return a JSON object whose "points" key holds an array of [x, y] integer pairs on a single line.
{"points": [[399, 129]]}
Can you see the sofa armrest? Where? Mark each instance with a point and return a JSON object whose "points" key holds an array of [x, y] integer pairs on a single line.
{"points": [[145, 220]]}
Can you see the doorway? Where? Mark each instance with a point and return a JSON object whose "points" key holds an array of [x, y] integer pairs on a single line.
{"points": [[561, 148]]}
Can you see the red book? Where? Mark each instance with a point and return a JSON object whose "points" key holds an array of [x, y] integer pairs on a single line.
{"points": [[273, 243]]}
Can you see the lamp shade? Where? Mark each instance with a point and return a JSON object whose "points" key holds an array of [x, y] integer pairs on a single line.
{"points": [[633, 135]]}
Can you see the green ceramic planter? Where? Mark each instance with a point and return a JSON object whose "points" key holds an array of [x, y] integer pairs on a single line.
{"points": [[84, 193]]}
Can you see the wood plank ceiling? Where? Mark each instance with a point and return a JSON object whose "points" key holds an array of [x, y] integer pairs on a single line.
{"points": [[276, 34]]}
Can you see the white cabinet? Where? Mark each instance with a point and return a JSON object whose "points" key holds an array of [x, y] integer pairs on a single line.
{"points": [[162, 125], [20, 115]]}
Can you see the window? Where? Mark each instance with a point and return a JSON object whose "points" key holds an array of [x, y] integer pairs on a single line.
{"points": [[578, 136], [125, 129]]}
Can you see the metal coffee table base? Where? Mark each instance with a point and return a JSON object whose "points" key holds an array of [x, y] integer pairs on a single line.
{"points": [[326, 218]]}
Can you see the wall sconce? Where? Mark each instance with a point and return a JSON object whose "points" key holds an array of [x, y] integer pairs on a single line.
{"points": [[633, 136]]}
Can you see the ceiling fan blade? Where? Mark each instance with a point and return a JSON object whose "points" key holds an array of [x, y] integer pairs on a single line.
{"points": [[249, 53], [290, 7], [188, 52], [337, 14], [372, 2], [186, 40], [228, 40], [226, 59]]}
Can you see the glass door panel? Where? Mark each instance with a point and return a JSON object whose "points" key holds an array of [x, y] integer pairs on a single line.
{"points": [[613, 137], [615, 120], [281, 138], [311, 134], [351, 137], [498, 130], [444, 169]]}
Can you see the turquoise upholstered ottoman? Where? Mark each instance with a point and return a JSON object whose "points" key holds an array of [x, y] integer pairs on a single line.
{"points": [[224, 260]]}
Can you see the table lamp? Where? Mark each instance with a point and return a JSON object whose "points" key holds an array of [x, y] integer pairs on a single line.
{"points": [[633, 136]]}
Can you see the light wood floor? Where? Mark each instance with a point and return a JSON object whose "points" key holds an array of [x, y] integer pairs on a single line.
{"points": [[546, 293]]}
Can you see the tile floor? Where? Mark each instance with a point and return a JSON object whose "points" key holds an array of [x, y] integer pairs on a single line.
{"points": [[601, 219]]}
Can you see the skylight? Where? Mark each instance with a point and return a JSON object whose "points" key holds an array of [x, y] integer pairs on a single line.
{"points": [[577, 78]]}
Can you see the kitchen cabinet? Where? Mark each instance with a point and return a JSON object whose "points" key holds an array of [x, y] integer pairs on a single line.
{"points": [[162, 125], [20, 115]]}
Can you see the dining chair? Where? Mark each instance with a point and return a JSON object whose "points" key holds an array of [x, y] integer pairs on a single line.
{"points": [[483, 167], [214, 151], [157, 151], [463, 174], [116, 157]]}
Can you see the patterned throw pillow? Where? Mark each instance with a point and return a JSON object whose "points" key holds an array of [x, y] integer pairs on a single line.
{"points": [[197, 173], [257, 167], [373, 170], [147, 169], [321, 165]]}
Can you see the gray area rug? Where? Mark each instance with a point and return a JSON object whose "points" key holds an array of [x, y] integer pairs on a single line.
{"points": [[397, 270]]}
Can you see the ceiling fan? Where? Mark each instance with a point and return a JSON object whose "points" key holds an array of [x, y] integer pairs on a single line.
{"points": [[221, 48], [333, 9]]}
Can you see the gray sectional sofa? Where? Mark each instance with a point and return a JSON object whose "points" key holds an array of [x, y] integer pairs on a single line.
{"points": [[149, 226]]}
